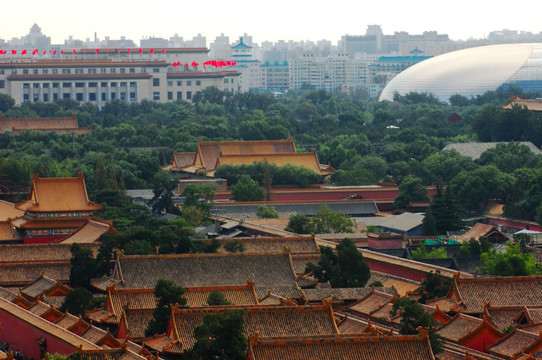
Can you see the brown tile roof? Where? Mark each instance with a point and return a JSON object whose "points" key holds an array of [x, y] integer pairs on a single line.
{"points": [[182, 159], [8, 233], [300, 261], [346, 347], [207, 153], [39, 252], [485, 230], [339, 294], [8, 210], [459, 326], [119, 299], [90, 232], [137, 321], [40, 124], [269, 272], [307, 160], [532, 105], [373, 301], [265, 320], [445, 304], [535, 329], [8, 294], [58, 195], [296, 245], [44, 285], [533, 315], [24, 273], [496, 290], [514, 343], [503, 316], [46, 326], [352, 325]]}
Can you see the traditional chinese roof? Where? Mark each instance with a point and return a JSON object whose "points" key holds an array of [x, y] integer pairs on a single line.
{"points": [[530, 316], [503, 316], [270, 271], [136, 321], [23, 273], [59, 124], [46, 326], [373, 301], [307, 160], [8, 233], [45, 285], [515, 343], [39, 252], [7, 294], [444, 303], [207, 153], [474, 292], [346, 347], [119, 299], [182, 160], [532, 105], [58, 195], [265, 320], [475, 149], [339, 294], [90, 232], [458, 327], [296, 245], [300, 261], [9, 211], [488, 231]]}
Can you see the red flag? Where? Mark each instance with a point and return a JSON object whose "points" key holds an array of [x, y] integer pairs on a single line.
{"points": [[118, 50], [140, 50], [97, 51], [228, 63], [23, 52], [186, 66], [44, 52], [62, 51], [151, 51], [174, 64], [163, 51], [194, 63], [233, 63], [107, 51], [73, 51], [54, 52], [13, 52], [34, 52], [129, 51]]}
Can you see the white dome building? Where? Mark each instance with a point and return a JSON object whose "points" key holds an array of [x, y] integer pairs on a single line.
{"points": [[472, 72]]}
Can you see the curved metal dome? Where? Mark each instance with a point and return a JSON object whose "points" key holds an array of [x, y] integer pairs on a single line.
{"points": [[472, 72]]}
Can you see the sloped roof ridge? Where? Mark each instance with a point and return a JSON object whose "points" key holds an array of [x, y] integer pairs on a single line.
{"points": [[487, 279], [121, 255], [252, 308], [280, 141]]}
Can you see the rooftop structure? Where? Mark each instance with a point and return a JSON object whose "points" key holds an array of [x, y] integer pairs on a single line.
{"points": [[59, 124], [475, 149], [532, 105]]}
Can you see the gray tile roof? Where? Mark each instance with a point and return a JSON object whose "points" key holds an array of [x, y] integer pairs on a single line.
{"points": [[353, 208], [475, 149]]}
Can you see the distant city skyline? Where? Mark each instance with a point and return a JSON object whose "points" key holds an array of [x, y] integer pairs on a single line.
{"points": [[264, 21]]}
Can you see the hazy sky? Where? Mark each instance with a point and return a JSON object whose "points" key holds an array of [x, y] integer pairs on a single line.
{"points": [[264, 19]]}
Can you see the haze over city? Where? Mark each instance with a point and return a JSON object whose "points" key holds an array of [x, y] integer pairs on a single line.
{"points": [[270, 21]]}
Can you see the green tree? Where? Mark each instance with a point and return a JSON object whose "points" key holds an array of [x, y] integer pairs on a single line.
{"points": [[429, 223], [513, 262], [84, 266], [267, 212], [217, 298], [201, 197], [475, 247], [300, 224], [220, 336], [6, 103], [414, 316], [164, 185], [77, 301], [421, 253], [435, 286], [167, 295], [410, 189], [327, 221], [447, 211], [344, 270], [247, 189], [234, 246]]}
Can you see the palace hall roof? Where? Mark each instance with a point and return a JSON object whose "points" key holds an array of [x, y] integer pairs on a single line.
{"points": [[269, 271], [58, 195]]}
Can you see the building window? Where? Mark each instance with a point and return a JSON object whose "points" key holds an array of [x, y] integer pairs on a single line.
{"points": [[92, 71], [123, 84], [45, 97], [26, 85], [225, 81], [231, 80], [55, 71], [103, 71], [122, 70], [123, 96], [155, 82], [170, 95], [156, 95], [93, 84], [45, 85], [66, 96], [25, 71], [79, 97], [132, 84], [25, 97], [35, 85], [143, 70], [66, 71], [92, 96], [170, 83], [155, 70], [189, 95], [2, 84], [66, 85], [78, 71], [55, 97], [113, 70], [198, 83], [132, 70], [36, 97], [132, 96], [79, 84], [55, 85], [103, 96], [113, 84], [103, 84], [45, 71], [179, 95], [14, 71], [188, 83], [179, 83], [1, 71]]}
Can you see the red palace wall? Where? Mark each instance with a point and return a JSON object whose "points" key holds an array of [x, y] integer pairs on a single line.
{"points": [[481, 342], [396, 270], [22, 336], [43, 239]]}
